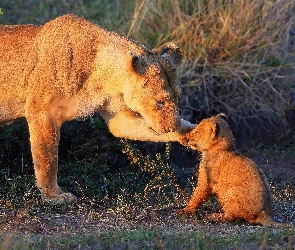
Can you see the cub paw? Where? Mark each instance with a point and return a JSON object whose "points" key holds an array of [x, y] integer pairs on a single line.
{"points": [[182, 213]]}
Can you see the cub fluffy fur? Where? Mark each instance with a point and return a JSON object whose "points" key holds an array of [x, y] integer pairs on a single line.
{"points": [[239, 185], [72, 68]]}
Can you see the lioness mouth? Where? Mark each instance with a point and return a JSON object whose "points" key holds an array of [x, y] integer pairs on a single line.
{"points": [[135, 113]]}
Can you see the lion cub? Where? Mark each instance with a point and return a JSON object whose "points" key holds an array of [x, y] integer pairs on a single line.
{"points": [[239, 185]]}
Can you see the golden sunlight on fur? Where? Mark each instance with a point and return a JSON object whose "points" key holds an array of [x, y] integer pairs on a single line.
{"points": [[71, 68], [241, 188]]}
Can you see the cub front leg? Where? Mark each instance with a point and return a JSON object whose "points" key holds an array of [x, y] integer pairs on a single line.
{"points": [[199, 196], [44, 138], [201, 193]]}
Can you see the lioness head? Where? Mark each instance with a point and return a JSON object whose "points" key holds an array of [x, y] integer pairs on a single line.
{"points": [[211, 133], [154, 93]]}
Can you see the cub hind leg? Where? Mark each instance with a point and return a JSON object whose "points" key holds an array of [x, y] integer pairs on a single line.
{"points": [[243, 203], [218, 217]]}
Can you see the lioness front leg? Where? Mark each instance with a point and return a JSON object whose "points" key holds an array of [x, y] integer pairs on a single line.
{"points": [[44, 137], [126, 125]]}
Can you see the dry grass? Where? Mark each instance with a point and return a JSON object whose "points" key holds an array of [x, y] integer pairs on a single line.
{"points": [[81, 226], [234, 53]]}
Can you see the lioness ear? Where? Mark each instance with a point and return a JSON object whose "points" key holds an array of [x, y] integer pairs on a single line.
{"points": [[138, 64], [173, 54]]}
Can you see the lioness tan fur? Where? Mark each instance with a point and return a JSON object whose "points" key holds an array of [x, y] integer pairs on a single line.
{"points": [[71, 68], [239, 185]]}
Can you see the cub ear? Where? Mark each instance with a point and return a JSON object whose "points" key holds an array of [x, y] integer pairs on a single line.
{"points": [[213, 130], [138, 64], [222, 115], [173, 54]]}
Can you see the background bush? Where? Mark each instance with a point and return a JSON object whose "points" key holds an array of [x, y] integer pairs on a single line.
{"points": [[237, 58]]}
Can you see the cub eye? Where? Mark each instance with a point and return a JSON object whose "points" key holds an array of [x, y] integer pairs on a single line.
{"points": [[145, 83], [160, 104]]}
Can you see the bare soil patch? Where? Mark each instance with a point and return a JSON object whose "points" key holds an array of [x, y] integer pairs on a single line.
{"points": [[86, 218]]}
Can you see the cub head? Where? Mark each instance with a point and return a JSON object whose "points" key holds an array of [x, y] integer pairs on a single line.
{"points": [[211, 133], [153, 92]]}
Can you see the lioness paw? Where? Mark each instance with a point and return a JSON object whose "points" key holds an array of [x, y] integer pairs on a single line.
{"points": [[186, 126], [63, 198]]}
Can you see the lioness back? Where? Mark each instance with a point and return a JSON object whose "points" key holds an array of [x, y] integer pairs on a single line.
{"points": [[16, 45], [51, 51]]}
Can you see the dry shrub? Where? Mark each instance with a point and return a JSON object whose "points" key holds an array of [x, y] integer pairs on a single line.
{"points": [[158, 179], [234, 53]]}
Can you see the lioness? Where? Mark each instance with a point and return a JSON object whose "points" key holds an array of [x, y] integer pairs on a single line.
{"points": [[71, 68], [239, 185]]}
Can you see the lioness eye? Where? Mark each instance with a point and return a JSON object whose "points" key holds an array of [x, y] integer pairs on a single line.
{"points": [[160, 104]]}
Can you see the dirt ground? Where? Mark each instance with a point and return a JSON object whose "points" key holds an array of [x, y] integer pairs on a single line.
{"points": [[279, 168]]}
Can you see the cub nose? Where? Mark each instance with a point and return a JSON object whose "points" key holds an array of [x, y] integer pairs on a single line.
{"points": [[160, 104]]}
